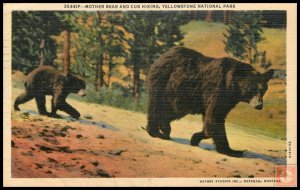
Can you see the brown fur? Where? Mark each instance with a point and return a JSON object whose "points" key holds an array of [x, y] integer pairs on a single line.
{"points": [[183, 81], [46, 80]]}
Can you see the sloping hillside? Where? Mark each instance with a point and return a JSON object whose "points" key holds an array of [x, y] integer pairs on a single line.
{"points": [[111, 142]]}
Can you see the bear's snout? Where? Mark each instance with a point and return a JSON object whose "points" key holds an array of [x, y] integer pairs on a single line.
{"points": [[259, 107], [257, 102], [81, 92]]}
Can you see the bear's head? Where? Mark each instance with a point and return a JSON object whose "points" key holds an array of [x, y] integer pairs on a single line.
{"points": [[76, 84], [254, 86]]}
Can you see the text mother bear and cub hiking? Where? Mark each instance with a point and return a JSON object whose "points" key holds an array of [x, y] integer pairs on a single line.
{"points": [[183, 81], [46, 80]]}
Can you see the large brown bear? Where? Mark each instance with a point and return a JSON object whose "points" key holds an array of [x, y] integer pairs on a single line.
{"points": [[46, 80], [183, 81]]}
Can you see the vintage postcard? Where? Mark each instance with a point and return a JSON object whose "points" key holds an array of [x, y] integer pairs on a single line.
{"points": [[152, 94]]}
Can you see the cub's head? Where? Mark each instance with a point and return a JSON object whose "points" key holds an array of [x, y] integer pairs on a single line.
{"points": [[253, 87], [75, 84]]}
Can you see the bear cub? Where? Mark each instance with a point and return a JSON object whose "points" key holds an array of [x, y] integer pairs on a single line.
{"points": [[46, 80]]}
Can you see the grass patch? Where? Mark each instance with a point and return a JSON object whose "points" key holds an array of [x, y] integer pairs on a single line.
{"points": [[207, 38], [115, 96], [271, 121]]}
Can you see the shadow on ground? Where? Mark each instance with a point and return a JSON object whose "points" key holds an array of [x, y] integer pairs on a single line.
{"points": [[247, 154], [99, 124]]}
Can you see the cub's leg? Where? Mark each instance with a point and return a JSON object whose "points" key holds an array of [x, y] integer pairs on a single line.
{"points": [[59, 103], [41, 104]]}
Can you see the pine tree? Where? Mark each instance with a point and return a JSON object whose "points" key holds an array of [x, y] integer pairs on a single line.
{"points": [[66, 18], [243, 35], [99, 45], [263, 61], [32, 44], [66, 65], [154, 32]]}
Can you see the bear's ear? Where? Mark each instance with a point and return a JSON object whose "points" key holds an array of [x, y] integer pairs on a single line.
{"points": [[268, 75]]}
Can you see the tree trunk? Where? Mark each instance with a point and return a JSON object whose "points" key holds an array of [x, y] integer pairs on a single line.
{"points": [[208, 17], [109, 70], [226, 17], [194, 15], [136, 60], [229, 13], [99, 68], [66, 51], [151, 49], [136, 81], [99, 74], [42, 52], [250, 55]]}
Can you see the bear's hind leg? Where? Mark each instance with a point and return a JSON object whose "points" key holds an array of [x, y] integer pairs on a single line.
{"points": [[197, 137], [153, 130], [41, 104], [24, 97]]}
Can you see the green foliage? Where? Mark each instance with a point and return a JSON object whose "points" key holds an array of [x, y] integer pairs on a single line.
{"points": [[107, 40], [100, 42], [154, 32], [28, 30], [115, 96], [243, 34], [138, 38], [88, 46]]}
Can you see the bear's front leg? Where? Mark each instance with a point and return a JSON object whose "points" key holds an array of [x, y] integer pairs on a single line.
{"points": [[215, 128], [59, 102], [53, 112], [54, 103], [69, 110]]}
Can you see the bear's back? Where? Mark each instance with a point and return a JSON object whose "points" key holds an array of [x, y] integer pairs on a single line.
{"points": [[180, 56], [176, 58], [44, 78]]}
